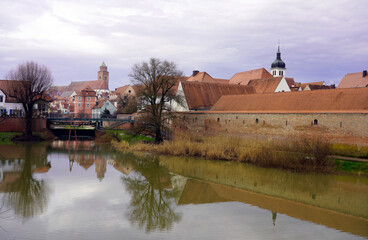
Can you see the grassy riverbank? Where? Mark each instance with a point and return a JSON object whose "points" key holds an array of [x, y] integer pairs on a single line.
{"points": [[297, 153], [120, 135]]}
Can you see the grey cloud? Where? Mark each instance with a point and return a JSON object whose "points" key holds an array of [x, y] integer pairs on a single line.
{"points": [[319, 40]]}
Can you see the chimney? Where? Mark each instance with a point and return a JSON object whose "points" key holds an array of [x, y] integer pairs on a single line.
{"points": [[195, 72], [364, 73]]}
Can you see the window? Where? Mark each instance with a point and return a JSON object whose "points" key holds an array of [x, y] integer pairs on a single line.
{"points": [[11, 111], [218, 119], [280, 73], [88, 105], [79, 105], [89, 99], [256, 120], [105, 78], [236, 117], [315, 122], [1, 98], [340, 124], [79, 98], [130, 91]]}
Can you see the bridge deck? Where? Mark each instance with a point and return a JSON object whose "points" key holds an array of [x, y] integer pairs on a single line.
{"points": [[56, 119]]}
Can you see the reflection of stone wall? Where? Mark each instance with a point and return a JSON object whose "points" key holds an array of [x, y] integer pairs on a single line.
{"points": [[341, 127], [202, 192], [346, 194]]}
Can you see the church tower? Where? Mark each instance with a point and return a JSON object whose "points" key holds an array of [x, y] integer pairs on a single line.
{"points": [[103, 74], [278, 66]]}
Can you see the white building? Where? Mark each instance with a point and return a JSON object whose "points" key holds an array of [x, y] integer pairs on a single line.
{"points": [[101, 107]]}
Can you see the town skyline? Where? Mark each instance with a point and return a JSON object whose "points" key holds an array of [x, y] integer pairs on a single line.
{"points": [[319, 41]]}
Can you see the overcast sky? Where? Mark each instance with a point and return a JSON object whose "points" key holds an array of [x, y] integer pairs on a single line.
{"points": [[320, 40]]}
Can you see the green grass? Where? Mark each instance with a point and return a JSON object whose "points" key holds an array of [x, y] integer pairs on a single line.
{"points": [[352, 167], [122, 135], [5, 137]]}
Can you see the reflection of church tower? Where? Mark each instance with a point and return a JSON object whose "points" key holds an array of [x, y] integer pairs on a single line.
{"points": [[278, 66], [100, 164], [103, 74]]}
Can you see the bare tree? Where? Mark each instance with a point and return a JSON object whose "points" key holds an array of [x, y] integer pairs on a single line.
{"points": [[127, 104], [155, 81], [28, 84]]}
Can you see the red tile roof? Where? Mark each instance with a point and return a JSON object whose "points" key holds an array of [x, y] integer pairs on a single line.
{"points": [[349, 99], [303, 85], [244, 77], [120, 90], [265, 85], [87, 92], [78, 86], [100, 104], [4, 86], [203, 95], [353, 80]]}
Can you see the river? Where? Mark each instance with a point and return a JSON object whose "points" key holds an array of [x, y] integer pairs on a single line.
{"points": [[83, 190]]}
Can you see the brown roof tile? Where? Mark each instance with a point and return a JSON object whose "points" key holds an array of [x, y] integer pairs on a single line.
{"points": [[120, 90], [4, 86], [303, 85], [265, 85], [244, 77], [201, 77], [78, 86], [350, 99], [353, 80], [100, 104], [203, 95]]}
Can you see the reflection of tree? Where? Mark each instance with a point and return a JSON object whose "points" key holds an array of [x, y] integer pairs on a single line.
{"points": [[152, 199], [28, 196]]}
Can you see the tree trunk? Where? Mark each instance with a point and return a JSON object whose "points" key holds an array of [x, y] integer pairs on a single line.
{"points": [[158, 138], [29, 114]]}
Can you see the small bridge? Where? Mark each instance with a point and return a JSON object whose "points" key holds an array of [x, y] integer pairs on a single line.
{"points": [[72, 121]]}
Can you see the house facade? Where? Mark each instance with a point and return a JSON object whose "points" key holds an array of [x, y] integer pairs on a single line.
{"points": [[84, 101], [103, 106], [8, 105]]}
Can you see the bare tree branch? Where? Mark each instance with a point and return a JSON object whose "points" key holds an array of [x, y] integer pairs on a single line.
{"points": [[155, 81], [28, 84]]}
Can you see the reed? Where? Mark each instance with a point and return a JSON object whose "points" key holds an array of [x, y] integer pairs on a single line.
{"points": [[297, 153]]}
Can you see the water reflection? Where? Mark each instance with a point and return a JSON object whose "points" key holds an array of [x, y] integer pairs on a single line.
{"points": [[155, 188], [27, 196], [153, 197]]}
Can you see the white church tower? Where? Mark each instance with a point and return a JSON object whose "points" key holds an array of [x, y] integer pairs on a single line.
{"points": [[278, 66]]}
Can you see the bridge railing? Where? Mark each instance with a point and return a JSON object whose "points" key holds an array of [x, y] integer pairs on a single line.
{"points": [[57, 117], [79, 115]]}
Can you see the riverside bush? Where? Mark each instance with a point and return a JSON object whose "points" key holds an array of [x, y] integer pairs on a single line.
{"points": [[296, 153]]}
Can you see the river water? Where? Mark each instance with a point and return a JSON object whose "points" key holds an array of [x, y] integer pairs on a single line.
{"points": [[82, 190]]}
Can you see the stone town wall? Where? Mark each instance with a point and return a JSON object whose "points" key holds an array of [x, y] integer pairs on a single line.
{"points": [[338, 127], [19, 124]]}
